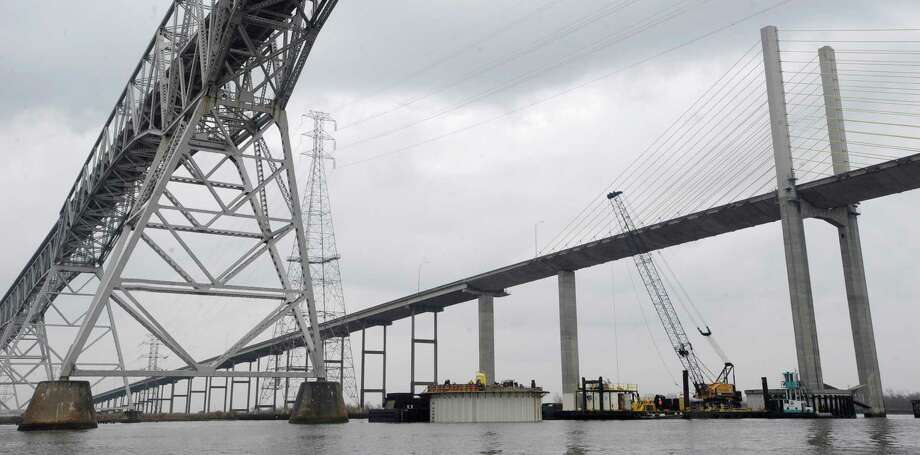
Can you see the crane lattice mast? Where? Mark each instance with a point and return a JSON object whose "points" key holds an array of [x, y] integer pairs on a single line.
{"points": [[659, 295]]}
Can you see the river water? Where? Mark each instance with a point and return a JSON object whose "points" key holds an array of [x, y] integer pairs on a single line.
{"points": [[897, 434]]}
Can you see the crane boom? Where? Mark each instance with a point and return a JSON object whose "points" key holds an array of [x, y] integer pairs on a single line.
{"points": [[659, 296]]}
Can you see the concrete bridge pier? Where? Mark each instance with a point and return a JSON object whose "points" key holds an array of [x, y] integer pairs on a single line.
{"points": [[791, 215], [568, 336], [319, 402], [854, 272], [414, 382], [487, 330], [382, 352], [60, 405], [487, 337], [854, 275]]}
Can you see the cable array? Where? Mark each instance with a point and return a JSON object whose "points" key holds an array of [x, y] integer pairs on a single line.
{"points": [[878, 72], [720, 149], [708, 156], [567, 90]]}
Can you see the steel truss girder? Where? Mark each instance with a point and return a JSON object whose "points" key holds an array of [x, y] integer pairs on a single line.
{"points": [[214, 373], [208, 120], [245, 54], [30, 358]]}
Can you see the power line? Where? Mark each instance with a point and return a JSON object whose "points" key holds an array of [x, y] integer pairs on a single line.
{"points": [[598, 46], [502, 29], [574, 87], [656, 148], [703, 182], [648, 328], [551, 38]]}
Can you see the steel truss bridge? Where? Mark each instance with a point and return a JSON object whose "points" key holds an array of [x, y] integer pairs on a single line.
{"points": [[204, 108]]}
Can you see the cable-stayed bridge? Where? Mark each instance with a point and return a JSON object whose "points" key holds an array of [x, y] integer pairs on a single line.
{"points": [[184, 167]]}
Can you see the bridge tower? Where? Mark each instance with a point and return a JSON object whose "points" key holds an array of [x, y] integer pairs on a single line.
{"points": [[794, 209], [792, 218], [854, 272], [323, 259]]}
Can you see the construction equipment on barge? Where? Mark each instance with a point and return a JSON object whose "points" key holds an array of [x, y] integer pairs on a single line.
{"points": [[600, 399], [793, 400], [714, 393], [401, 408], [478, 402], [475, 402]]}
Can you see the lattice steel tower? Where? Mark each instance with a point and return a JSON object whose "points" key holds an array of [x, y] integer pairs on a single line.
{"points": [[153, 355], [323, 259]]}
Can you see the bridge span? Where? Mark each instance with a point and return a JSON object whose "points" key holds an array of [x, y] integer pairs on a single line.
{"points": [[842, 190]]}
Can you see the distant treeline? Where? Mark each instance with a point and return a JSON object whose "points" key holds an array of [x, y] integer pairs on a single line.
{"points": [[900, 402]]}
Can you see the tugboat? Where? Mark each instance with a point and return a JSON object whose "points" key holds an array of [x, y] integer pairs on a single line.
{"points": [[401, 408], [796, 399]]}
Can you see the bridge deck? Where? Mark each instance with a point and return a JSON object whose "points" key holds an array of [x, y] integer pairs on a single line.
{"points": [[855, 186]]}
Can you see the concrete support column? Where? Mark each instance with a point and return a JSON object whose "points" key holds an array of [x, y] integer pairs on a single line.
{"points": [[854, 273], [790, 209], [433, 341], [382, 352], [568, 337], [861, 318], [487, 337]]}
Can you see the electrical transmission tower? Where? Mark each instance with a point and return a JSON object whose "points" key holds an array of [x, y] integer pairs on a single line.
{"points": [[7, 399], [323, 260], [153, 355]]}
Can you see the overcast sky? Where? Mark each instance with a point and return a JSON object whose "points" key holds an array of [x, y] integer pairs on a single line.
{"points": [[461, 200]]}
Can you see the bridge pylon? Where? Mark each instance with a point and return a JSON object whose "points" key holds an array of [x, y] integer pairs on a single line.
{"points": [[794, 209], [845, 220], [792, 218]]}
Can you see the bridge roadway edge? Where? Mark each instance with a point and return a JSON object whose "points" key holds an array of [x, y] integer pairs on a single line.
{"points": [[853, 187]]}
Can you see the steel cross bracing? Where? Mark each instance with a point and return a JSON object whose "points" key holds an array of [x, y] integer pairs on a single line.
{"points": [[31, 358], [212, 85], [323, 259], [26, 364], [659, 295]]}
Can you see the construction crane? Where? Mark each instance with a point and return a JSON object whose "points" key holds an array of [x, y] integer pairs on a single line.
{"points": [[719, 391]]}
